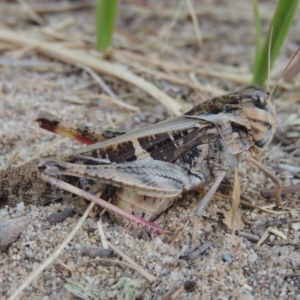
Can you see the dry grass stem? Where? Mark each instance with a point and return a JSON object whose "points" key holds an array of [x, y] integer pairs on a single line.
{"points": [[178, 232], [100, 82], [173, 294], [205, 88], [236, 195], [74, 57], [133, 263], [263, 237], [292, 169], [267, 233], [11, 160], [246, 203], [102, 235], [47, 148], [56, 35], [195, 22], [63, 264], [221, 13], [45, 8], [50, 259], [165, 76], [110, 94], [249, 204], [21, 52], [119, 103], [245, 79], [270, 175], [27, 10], [101, 260], [285, 190], [166, 36], [277, 232], [153, 61], [31, 65], [195, 221]]}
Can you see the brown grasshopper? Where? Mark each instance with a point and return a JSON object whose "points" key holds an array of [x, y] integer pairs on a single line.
{"points": [[159, 161]]}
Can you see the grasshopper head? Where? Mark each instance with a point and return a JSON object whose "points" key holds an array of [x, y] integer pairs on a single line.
{"points": [[259, 108]]}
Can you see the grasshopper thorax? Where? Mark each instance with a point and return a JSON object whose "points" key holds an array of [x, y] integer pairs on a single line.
{"points": [[258, 106]]}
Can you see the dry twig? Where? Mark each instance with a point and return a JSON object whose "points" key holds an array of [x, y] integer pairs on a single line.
{"points": [[285, 190]]}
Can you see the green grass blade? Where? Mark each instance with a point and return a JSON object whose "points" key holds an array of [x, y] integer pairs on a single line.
{"points": [[257, 36], [106, 15], [281, 23]]}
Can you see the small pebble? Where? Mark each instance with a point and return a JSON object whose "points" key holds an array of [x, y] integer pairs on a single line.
{"points": [[96, 251], [252, 258], [208, 228], [20, 206], [227, 258], [190, 285], [59, 217]]}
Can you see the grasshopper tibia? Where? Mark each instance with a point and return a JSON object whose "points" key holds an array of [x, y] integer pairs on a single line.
{"points": [[204, 202], [112, 208]]}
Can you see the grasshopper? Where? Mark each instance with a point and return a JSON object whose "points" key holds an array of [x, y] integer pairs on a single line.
{"points": [[159, 161]]}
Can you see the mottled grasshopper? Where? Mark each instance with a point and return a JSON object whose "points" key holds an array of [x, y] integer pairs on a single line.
{"points": [[161, 160]]}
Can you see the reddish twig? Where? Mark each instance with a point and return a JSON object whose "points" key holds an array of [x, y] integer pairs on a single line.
{"points": [[285, 190]]}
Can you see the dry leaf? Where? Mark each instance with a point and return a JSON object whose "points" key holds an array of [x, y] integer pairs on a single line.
{"points": [[238, 223]]}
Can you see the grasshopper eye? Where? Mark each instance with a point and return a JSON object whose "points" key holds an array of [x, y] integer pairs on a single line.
{"points": [[259, 99]]}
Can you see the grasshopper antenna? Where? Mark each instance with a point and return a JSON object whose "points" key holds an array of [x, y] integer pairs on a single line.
{"points": [[283, 72]]}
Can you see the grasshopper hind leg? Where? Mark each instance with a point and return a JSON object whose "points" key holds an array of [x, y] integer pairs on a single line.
{"points": [[145, 177]]}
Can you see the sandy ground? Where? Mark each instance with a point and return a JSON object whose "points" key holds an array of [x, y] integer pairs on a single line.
{"points": [[232, 266]]}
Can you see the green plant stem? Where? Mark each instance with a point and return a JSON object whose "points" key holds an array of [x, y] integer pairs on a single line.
{"points": [[106, 15]]}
